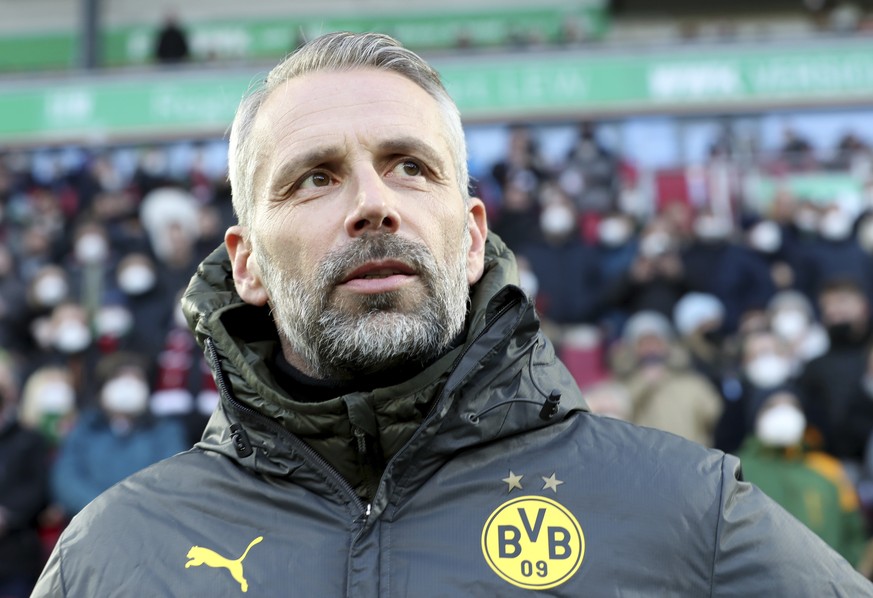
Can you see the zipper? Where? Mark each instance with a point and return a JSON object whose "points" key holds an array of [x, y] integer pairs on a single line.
{"points": [[368, 463], [431, 414], [309, 454], [316, 460]]}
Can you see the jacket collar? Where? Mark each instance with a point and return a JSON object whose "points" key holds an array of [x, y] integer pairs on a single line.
{"points": [[238, 338]]}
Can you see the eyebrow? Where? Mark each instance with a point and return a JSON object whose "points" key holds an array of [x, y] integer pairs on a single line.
{"points": [[288, 172], [415, 147]]}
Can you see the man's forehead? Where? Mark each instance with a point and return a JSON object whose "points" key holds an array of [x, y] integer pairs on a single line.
{"points": [[329, 110], [337, 90]]}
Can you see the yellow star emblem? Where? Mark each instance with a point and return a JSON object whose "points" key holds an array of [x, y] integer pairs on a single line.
{"points": [[514, 481], [551, 483]]}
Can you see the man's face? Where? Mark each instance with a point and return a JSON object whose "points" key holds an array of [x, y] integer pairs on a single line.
{"points": [[360, 238]]}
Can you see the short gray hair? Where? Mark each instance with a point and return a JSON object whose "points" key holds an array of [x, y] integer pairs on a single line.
{"points": [[336, 52]]}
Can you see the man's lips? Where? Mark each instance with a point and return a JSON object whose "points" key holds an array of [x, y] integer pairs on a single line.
{"points": [[379, 277]]}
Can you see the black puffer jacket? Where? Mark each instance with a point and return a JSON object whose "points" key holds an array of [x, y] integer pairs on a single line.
{"points": [[480, 496]]}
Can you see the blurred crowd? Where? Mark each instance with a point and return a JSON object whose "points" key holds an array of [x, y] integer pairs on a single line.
{"points": [[748, 331], [99, 374]]}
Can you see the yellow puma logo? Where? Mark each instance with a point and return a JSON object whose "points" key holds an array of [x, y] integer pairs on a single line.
{"points": [[210, 558]]}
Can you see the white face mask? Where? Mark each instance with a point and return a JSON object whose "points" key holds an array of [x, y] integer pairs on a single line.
{"points": [[766, 237], [836, 226], [768, 370], [782, 425], [91, 248], [71, 337], [613, 232], [50, 290], [136, 279], [56, 398], [790, 324], [114, 321], [126, 395], [557, 221]]}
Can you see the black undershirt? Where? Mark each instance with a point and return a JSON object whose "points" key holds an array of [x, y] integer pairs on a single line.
{"points": [[305, 389]]}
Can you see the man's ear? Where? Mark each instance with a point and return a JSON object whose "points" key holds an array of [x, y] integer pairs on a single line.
{"points": [[246, 274], [478, 230]]}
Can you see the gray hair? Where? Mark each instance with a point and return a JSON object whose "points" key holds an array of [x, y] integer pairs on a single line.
{"points": [[336, 52]]}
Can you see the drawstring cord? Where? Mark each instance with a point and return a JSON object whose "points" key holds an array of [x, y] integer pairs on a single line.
{"points": [[548, 408]]}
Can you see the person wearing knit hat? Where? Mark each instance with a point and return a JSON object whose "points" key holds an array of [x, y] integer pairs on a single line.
{"points": [[699, 320], [698, 311], [666, 392]]}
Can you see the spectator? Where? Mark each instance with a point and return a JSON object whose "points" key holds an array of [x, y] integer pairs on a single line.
{"points": [[828, 383], [666, 393], [23, 493], [764, 364], [48, 403], [115, 440], [792, 319], [699, 320], [838, 253], [797, 152], [714, 264], [523, 166], [810, 485], [148, 296], [13, 302], [590, 176], [171, 42], [518, 215], [766, 240], [171, 217], [654, 280], [565, 268], [48, 406], [616, 245]]}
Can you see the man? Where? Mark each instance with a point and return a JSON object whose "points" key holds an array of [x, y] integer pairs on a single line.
{"points": [[666, 392], [828, 384], [811, 485], [24, 491], [392, 422]]}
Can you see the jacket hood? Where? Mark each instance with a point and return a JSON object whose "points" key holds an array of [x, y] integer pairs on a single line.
{"points": [[503, 346]]}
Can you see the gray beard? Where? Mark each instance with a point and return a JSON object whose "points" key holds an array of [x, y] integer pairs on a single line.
{"points": [[378, 332]]}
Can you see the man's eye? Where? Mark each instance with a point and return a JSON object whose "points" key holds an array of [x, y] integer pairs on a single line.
{"points": [[316, 179], [408, 168]]}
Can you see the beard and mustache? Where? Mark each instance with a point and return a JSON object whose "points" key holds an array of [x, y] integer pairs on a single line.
{"points": [[359, 335]]}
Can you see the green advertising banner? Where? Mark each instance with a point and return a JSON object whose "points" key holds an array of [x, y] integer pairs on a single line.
{"points": [[485, 87], [256, 39]]}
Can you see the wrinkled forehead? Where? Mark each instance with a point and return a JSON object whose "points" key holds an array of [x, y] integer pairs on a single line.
{"points": [[368, 97]]}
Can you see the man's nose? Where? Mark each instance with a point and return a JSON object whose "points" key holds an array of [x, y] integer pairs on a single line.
{"points": [[375, 208]]}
